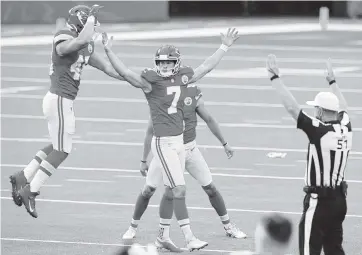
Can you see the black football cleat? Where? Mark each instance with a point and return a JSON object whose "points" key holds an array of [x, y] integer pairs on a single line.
{"points": [[18, 181], [28, 199]]}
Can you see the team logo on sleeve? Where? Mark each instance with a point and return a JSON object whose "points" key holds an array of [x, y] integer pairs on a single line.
{"points": [[188, 101], [184, 79]]}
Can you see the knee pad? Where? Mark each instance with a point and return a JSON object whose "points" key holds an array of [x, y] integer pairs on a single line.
{"points": [[179, 191], [148, 191], [168, 193], [210, 189]]}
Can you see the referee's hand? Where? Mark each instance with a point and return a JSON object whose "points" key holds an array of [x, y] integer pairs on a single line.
{"points": [[272, 65], [329, 72]]}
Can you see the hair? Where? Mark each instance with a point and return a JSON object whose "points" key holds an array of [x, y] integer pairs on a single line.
{"points": [[278, 228], [327, 115]]}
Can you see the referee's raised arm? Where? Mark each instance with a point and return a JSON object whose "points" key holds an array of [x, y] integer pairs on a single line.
{"points": [[330, 140], [288, 100], [335, 88]]}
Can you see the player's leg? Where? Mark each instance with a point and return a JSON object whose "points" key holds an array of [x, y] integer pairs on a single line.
{"points": [[61, 124], [172, 157], [166, 211], [20, 179], [153, 178], [198, 168]]}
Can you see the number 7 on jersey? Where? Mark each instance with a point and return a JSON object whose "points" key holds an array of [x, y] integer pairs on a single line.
{"points": [[177, 91]]}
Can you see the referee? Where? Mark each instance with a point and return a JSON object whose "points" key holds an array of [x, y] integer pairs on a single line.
{"points": [[330, 141]]}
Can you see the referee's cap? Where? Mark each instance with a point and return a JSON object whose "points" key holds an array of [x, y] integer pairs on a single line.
{"points": [[326, 100]]}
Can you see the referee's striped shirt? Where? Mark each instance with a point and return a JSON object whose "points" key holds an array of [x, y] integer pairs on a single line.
{"points": [[328, 149]]}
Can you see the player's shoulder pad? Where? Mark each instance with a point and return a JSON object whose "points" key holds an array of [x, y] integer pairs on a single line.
{"points": [[194, 91], [63, 35], [149, 74], [186, 70]]}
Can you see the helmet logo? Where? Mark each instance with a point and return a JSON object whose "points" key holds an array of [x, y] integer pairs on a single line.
{"points": [[185, 79], [188, 101]]}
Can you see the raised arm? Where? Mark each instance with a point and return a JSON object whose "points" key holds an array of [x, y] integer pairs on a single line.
{"points": [[335, 88], [213, 126], [211, 62], [99, 62], [288, 100], [133, 78]]}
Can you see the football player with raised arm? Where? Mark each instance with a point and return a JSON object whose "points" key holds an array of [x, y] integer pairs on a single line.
{"points": [[195, 165], [165, 88], [72, 49]]}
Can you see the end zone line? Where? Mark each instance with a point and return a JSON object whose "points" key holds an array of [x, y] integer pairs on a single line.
{"points": [[88, 243], [156, 206]]}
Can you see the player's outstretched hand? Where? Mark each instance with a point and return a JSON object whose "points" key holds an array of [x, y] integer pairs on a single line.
{"points": [[144, 169], [94, 10], [272, 65], [329, 72], [107, 42], [230, 37], [229, 151]]}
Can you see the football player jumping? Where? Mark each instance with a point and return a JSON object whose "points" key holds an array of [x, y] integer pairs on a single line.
{"points": [[72, 49], [165, 88], [195, 165]]}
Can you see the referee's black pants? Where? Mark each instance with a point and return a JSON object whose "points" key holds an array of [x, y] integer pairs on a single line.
{"points": [[321, 224]]}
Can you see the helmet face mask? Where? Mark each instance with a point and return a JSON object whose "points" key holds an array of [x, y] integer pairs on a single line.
{"points": [[78, 16], [164, 58]]}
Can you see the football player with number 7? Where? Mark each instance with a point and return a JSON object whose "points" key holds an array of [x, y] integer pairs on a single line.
{"points": [[72, 49], [165, 88]]}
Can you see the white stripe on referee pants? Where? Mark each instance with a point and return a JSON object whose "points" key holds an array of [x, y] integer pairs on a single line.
{"points": [[309, 221]]}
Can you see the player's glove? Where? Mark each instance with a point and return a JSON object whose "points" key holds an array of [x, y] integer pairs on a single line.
{"points": [[143, 168], [272, 66], [329, 73], [107, 42]]}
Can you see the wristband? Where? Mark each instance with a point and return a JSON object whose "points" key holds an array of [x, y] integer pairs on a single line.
{"points": [[143, 161], [332, 81], [275, 76], [224, 47], [224, 144]]}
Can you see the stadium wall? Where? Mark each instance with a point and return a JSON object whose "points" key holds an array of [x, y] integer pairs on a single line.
{"points": [[46, 12], [258, 8]]}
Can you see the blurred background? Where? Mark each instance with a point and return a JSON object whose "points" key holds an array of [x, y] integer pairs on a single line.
{"points": [[45, 12]]}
